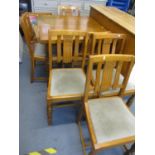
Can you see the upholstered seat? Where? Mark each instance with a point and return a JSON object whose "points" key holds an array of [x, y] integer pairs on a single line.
{"points": [[130, 86], [40, 50], [69, 81], [111, 119]]}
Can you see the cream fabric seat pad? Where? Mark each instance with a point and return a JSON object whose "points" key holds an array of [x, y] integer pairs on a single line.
{"points": [[130, 86], [40, 50], [68, 81], [111, 119]]}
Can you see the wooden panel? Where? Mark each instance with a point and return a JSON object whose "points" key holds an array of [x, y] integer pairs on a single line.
{"points": [[116, 28], [122, 18]]}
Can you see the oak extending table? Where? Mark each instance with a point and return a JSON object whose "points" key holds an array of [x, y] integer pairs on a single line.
{"points": [[65, 23]]}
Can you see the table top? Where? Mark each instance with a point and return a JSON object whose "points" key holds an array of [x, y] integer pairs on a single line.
{"points": [[122, 18], [44, 23]]}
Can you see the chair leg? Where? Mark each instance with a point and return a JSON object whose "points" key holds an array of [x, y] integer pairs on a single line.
{"points": [[33, 78], [79, 117], [130, 100], [32, 71], [47, 68], [92, 152], [49, 112]]}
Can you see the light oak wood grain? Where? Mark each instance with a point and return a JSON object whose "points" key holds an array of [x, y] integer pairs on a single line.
{"points": [[87, 24], [120, 17]]}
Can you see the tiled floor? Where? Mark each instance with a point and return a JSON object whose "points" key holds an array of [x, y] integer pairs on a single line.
{"points": [[35, 134]]}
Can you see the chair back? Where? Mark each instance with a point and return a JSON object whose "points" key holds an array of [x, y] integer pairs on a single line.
{"points": [[106, 43], [68, 10], [32, 19], [29, 19], [106, 79], [27, 31], [71, 46], [26, 26]]}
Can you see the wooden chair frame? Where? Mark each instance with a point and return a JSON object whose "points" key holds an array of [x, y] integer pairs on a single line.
{"points": [[30, 41], [65, 54], [65, 10], [109, 62]]}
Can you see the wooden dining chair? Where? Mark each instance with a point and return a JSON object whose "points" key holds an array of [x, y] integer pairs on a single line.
{"points": [[112, 43], [37, 51], [110, 122], [66, 83], [68, 10]]}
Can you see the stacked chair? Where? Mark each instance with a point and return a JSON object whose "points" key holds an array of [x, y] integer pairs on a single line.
{"points": [[101, 90], [37, 50]]}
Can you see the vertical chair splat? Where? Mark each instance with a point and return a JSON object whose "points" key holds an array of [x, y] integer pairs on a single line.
{"points": [[107, 76], [106, 46], [59, 53], [117, 75], [67, 49]]}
